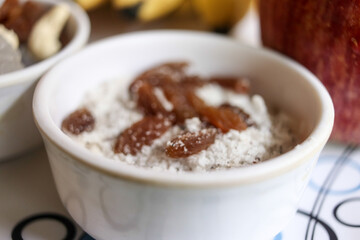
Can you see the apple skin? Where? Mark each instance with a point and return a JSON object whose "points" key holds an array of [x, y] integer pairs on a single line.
{"points": [[324, 36]]}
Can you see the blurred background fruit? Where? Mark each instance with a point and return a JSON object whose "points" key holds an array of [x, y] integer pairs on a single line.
{"points": [[90, 4], [323, 35], [221, 15], [217, 15], [147, 10]]}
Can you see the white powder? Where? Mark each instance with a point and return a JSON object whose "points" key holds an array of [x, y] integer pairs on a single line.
{"points": [[114, 111], [160, 95]]}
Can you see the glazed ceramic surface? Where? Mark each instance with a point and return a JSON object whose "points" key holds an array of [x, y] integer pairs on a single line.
{"points": [[17, 129], [112, 200]]}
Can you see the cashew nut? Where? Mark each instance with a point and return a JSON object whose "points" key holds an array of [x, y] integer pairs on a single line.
{"points": [[9, 36], [44, 37]]}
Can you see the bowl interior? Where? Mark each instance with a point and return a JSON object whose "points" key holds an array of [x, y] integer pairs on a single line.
{"points": [[122, 59], [283, 83]]}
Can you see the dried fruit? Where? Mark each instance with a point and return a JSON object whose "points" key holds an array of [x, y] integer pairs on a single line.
{"points": [[79, 121], [21, 18], [222, 118], [193, 82], [171, 78], [32, 11], [6, 7], [190, 143], [141, 133], [168, 72], [178, 88], [176, 94], [245, 117], [238, 85], [148, 102]]}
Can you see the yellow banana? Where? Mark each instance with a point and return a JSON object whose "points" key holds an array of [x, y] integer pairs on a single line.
{"points": [[121, 4], [90, 4], [148, 10], [153, 9], [221, 14]]}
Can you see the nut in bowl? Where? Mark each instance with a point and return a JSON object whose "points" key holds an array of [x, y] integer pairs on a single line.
{"points": [[29, 46], [113, 199]]}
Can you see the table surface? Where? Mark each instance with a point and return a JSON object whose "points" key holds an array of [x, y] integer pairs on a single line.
{"points": [[31, 208]]}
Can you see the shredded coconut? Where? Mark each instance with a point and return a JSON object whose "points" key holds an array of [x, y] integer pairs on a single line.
{"points": [[114, 111], [160, 95]]}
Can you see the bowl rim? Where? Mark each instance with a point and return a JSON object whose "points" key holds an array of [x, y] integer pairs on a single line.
{"points": [[31, 73], [282, 164]]}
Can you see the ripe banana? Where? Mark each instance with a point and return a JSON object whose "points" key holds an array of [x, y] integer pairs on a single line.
{"points": [[120, 4], [90, 4], [147, 10], [221, 15]]}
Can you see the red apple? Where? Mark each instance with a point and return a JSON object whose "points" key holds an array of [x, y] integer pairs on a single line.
{"points": [[324, 36]]}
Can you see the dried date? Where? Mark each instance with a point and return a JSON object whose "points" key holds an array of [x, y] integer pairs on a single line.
{"points": [[79, 121], [141, 133], [168, 72], [148, 102], [238, 85], [176, 94], [222, 118], [245, 117], [190, 143]]}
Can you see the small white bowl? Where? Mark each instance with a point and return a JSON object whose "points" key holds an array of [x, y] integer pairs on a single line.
{"points": [[18, 132], [112, 200]]}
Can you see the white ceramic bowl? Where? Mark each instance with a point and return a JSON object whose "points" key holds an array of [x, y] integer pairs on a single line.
{"points": [[112, 200], [17, 129]]}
